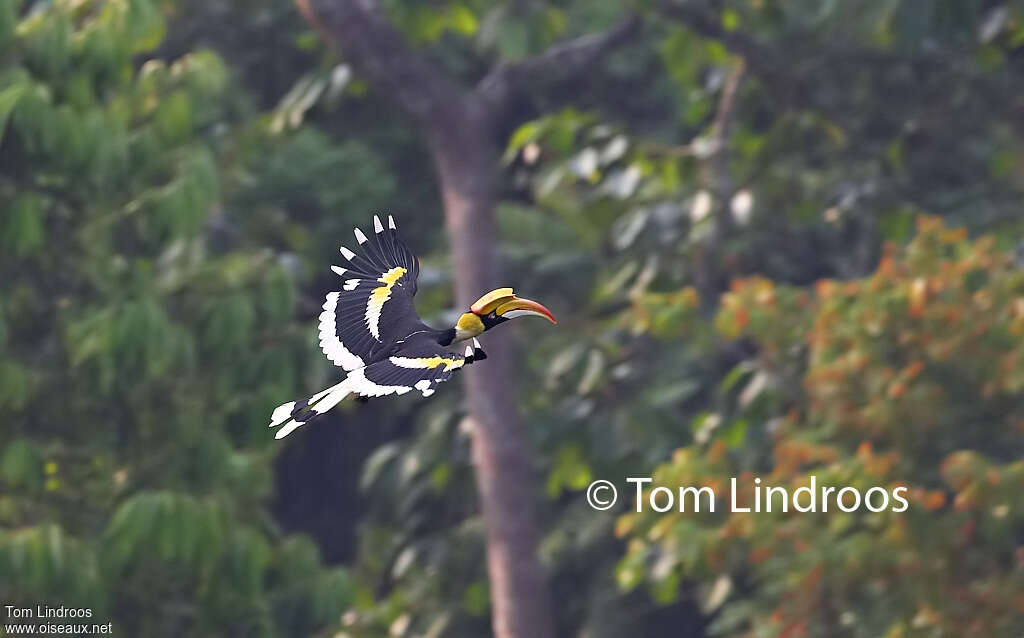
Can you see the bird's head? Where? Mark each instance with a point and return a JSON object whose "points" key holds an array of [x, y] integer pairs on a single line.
{"points": [[497, 306]]}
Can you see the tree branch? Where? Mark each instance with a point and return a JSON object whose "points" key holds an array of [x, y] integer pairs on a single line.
{"points": [[776, 69], [562, 62], [717, 175], [378, 51], [717, 178], [760, 57]]}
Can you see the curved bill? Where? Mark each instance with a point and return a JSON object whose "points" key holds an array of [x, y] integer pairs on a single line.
{"points": [[488, 303], [516, 307]]}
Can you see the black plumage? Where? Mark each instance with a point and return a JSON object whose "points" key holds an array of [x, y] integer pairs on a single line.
{"points": [[371, 329]]}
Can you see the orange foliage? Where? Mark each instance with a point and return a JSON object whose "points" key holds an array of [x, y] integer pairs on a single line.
{"points": [[912, 370]]}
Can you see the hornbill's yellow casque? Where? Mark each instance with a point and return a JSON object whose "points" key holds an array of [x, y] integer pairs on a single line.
{"points": [[370, 328]]}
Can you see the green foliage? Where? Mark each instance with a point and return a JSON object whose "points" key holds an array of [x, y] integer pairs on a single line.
{"points": [[174, 190], [132, 346]]}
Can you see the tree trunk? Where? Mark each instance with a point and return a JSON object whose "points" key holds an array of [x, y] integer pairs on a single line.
{"points": [[459, 125], [467, 164]]}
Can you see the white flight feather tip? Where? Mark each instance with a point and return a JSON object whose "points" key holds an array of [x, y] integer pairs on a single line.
{"points": [[288, 429], [281, 413]]}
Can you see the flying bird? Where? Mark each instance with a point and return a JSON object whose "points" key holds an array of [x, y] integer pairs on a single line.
{"points": [[370, 329]]}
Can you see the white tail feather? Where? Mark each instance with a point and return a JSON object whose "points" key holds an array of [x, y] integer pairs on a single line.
{"points": [[317, 404], [290, 427]]}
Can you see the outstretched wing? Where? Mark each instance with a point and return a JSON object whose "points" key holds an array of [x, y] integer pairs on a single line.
{"points": [[419, 364], [374, 307]]}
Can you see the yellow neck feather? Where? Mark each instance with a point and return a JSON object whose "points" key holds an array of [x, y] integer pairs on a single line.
{"points": [[468, 326]]}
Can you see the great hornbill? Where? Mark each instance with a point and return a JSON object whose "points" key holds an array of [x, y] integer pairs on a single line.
{"points": [[371, 329]]}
